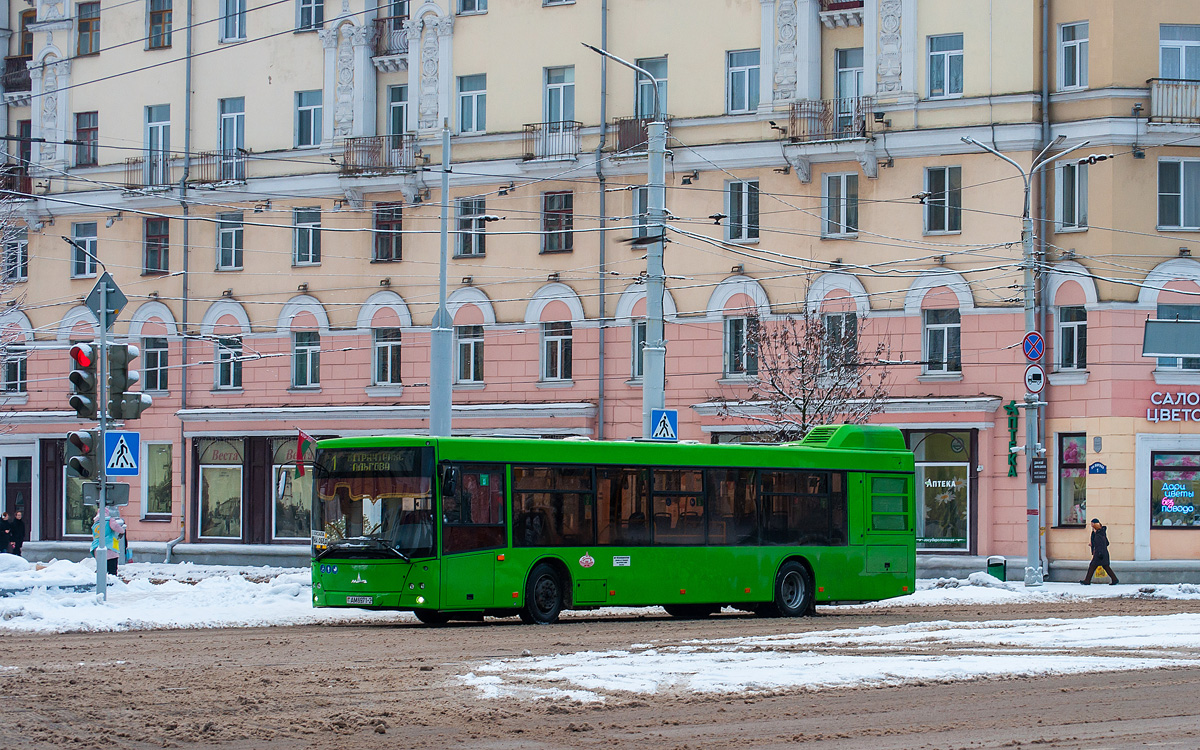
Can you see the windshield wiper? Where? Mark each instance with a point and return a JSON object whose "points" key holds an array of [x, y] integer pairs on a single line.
{"points": [[363, 543]]}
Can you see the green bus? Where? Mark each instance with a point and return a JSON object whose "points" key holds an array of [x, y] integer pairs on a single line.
{"points": [[459, 528]]}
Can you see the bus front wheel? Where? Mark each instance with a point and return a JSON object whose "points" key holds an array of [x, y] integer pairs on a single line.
{"points": [[543, 596], [431, 616], [793, 592]]}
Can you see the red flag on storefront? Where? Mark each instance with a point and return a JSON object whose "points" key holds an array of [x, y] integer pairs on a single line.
{"points": [[303, 442]]}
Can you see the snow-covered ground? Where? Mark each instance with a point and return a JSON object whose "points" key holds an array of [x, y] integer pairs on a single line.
{"points": [[57, 597]]}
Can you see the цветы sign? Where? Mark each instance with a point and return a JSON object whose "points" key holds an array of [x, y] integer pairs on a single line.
{"points": [[1174, 407]]}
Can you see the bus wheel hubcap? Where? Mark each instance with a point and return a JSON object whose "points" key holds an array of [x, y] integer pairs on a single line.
{"points": [[792, 589], [547, 595]]}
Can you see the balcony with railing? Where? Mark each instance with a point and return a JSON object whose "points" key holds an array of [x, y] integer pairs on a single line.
{"points": [[15, 183], [212, 167], [631, 133], [1174, 100], [552, 140], [16, 73], [816, 120], [379, 154], [841, 13], [391, 44], [148, 171]]}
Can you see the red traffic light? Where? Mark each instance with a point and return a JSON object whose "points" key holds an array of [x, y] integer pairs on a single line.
{"points": [[82, 440], [82, 354]]}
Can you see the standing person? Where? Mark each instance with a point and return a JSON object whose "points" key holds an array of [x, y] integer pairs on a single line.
{"points": [[1099, 545], [6, 535], [18, 531]]}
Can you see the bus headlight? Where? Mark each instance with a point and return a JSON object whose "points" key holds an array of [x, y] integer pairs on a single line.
{"points": [[420, 600]]}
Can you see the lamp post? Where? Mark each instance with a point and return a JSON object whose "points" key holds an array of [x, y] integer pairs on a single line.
{"points": [[1034, 573], [442, 346], [654, 354]]}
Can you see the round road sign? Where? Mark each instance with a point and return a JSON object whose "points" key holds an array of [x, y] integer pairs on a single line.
{"points": [[1034, 346], [1035, 378]]}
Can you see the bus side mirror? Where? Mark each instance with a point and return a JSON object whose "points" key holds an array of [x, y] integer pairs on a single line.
{"points": [[449, 480]]}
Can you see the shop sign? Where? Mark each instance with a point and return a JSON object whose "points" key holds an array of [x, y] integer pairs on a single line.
{"points": [[221, 452], [1038, 471], [1182, 406], [1011, 410], [1097, 468]]}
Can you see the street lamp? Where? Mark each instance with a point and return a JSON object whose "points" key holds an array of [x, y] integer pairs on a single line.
{"points": [[1033, 572]]}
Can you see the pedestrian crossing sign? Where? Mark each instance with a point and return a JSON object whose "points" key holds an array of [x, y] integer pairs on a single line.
{"points": [[121, 451], [664, 424]]}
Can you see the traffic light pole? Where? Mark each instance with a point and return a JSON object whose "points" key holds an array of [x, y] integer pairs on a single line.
{"points": [[102, 416]]}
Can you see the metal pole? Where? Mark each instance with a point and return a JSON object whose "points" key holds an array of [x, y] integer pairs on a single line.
{"points": [[102, 413], [654, 355], [442, 352], [1033, 504]]}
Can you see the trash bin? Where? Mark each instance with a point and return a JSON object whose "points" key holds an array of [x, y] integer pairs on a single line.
{"points": [[997, 567]]}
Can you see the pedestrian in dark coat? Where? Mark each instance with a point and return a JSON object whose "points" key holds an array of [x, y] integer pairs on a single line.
{"points": [[18, 532], [6, 538], [1099, 545]]}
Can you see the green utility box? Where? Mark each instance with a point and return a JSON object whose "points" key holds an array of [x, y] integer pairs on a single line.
{"points": [[997, 567]]}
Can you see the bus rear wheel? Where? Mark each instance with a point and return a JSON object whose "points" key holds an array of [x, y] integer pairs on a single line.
{"points": [[543, 596], [793, 592], [691, 611], [431, 616]]}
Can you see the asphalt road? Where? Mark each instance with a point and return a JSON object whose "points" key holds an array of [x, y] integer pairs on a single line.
{"points": [[396, 686]]}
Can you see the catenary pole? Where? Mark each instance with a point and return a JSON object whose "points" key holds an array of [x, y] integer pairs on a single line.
{"points": [[439, 363]]}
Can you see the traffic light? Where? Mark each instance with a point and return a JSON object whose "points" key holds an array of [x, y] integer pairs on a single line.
{"points": [[123, 404], [83, 379], [81, 453]]}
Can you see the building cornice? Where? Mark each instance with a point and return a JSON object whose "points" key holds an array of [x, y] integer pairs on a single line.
{"points": [[311, 414]]}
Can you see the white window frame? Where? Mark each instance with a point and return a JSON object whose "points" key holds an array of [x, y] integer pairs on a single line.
{"points": [[310, 15], [1182, 312], [311, 114], [1071, 197], [561, 342], [145, 493], [16, 369], [638, 333], [227, 363], [468, 349], [1073, 56], [471, 7], [740, 354], [306, 360], [233, 20], [750, 75], [157, 361], [16, 258], [944, 59], [944, 328], [840, 327], [948, 199], [640, 210], [306, 236], [473, 100], [743, 213], [1181, 195], [472, 236], [83, 266], [840, 198], [1186, 48], [397, 110], [230, 238], [1073, 332], [387, 356], [558, 98], [157, 167], [643, 104], [231, 135]]}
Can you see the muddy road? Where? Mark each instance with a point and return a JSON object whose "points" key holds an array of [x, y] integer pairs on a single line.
{"points": [[398, 686]]}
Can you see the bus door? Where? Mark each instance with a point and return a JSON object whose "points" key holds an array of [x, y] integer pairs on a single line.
{"points": [[887, 527], [473, 529]]}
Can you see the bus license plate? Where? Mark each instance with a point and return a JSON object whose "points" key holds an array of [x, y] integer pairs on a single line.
{"points": [[360, 600]]}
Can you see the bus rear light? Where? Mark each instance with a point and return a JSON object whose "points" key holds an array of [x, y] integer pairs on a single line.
{"points": [[612, 593], [514, 595], [821, 589], [904, 588], [683, 591], [747, 590]]}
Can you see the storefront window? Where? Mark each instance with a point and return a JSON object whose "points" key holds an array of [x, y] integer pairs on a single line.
{"points": [[158, 479], [291, 514], [1072, 479], [221, 489], [943, 494], [1173, 484], [77, 518]]}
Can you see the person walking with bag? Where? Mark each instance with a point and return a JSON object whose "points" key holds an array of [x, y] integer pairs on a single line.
{"points": [[1099, 545]]}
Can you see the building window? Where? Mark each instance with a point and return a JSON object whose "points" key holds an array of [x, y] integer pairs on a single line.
{"points": [[1072, 479], [943, 204], [557, 222], [88, 42], [1071, 187], [397, 111], [1072, 338], [1173, 486], [83, 263], [157, 167], [556, 351], [311, 14], [157, 246], [849, 84], [741, 351], [233, 138], [229, 363], [472, 6], [1179, 52], [472, 103], [229, 242], [841, 339], [470, 353], [741, 81], [560, 95], [644, 105], [388, 227], [221, 483], [638, 331], [943, 488], [306, 359], [641, 211], [306, 245], [16, 257], [471, 226], [233, 20], [157, 488], [154, 367], [1073, 56], [387, 356], [87, 135], [943, 347], [945, 66], [841, 205], [160, 24], [27, 17], [1179, 193], [308, 119], [16, 369], [1178, 312], [741, 199]]}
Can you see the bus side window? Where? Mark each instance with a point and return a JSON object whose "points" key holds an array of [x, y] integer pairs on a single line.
{"points": [[732, 511], [622, 504], [553, 506], [473, 514]]}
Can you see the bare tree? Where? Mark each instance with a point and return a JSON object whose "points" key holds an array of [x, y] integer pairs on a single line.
{"points": [[810, 371]]}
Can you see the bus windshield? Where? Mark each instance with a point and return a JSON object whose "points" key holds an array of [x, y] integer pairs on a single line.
{"points": [[373, 503]]}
